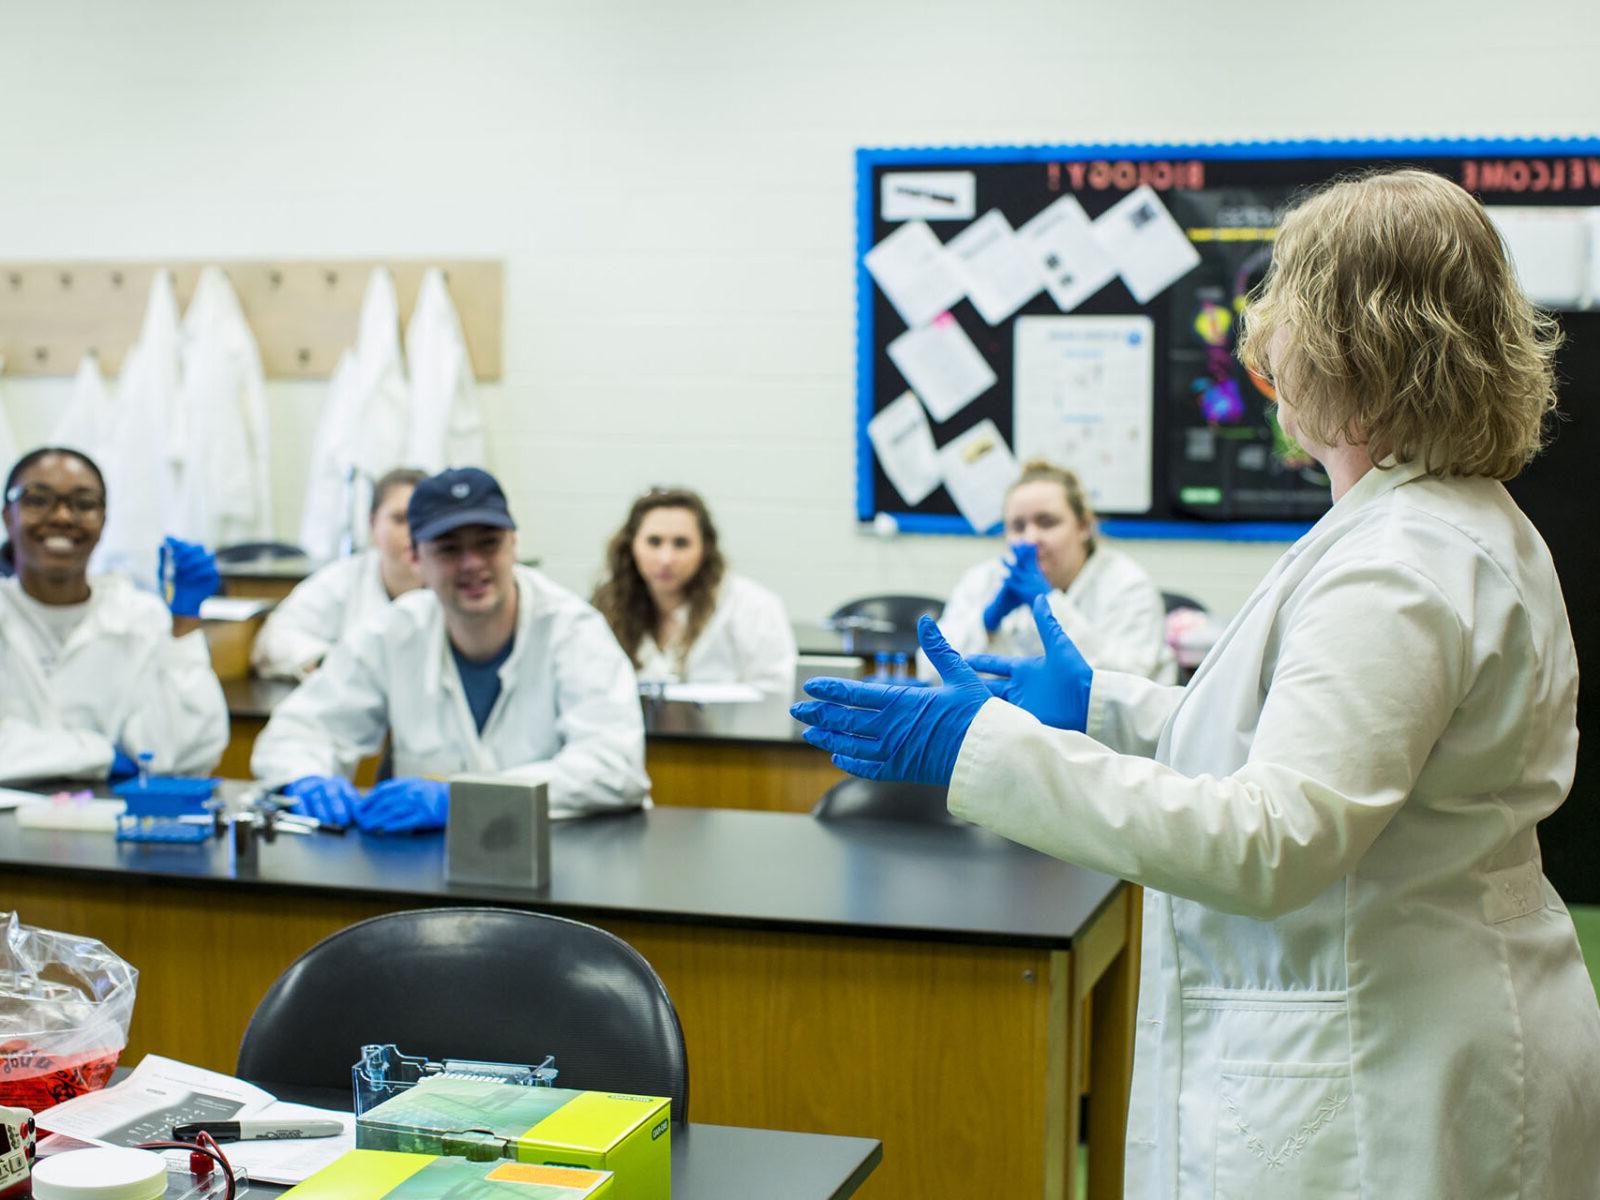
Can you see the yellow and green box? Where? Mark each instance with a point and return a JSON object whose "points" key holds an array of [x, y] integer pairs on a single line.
{"points": [[390, 1175], [484, 1120]]}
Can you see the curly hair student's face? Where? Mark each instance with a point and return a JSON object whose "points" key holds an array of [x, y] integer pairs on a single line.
{"points": [[1391, 318], [668, 549]]}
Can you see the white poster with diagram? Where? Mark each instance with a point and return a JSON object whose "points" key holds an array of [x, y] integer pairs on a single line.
{"points": [[1085, 399]]}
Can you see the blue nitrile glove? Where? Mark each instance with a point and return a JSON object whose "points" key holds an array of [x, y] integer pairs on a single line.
{"points": [[122, 767], [1024, 581], [894, 730], [1054, 688], [328, 798], [188, 576], [404, 805]]}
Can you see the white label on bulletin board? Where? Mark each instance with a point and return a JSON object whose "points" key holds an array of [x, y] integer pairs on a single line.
{"points": [[914, 271], [978, 468], [928, 196], [1061, 240], [1149, 248], [942, 366], [1552, 249], [1085, 398], [1000, 279], [903, 442]]}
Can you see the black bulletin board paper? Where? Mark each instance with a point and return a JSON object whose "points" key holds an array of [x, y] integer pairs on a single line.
{"points": [[1216, 467]]}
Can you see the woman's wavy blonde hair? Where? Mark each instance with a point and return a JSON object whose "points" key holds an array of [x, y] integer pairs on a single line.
{"points": [[1406, 328]]}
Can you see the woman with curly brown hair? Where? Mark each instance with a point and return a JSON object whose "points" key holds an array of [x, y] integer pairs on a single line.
{"points": [[678, 612], [1356, 980]]}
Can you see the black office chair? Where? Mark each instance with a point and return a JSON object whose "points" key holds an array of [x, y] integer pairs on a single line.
{"points": [[898, 612], [493, 984], [249, 552], [919, 803], [1177, 600]]}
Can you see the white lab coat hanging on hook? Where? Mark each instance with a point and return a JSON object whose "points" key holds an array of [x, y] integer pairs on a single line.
{"points": [[446, 424], [141, 476], [85, 423], [364, 427], [224, 486]]}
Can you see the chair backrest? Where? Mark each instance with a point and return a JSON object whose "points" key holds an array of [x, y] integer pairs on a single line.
{"points": [[901, 612], [492, 984], [854, 798], [1177, 600], [245, 552]]}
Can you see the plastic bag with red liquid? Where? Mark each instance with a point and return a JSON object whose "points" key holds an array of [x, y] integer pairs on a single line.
{"points": [[65, 1005]]}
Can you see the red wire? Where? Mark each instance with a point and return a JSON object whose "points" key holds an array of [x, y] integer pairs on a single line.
{"points": [[203, 1144]]}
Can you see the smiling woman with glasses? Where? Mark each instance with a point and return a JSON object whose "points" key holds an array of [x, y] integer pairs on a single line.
{"points": [[96, 672]]}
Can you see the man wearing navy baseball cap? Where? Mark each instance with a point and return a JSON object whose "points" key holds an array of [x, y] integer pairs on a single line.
{"points": [[490, 668]]}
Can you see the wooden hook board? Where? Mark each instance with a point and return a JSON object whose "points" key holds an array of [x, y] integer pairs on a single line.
{"points": [[303, 313]]}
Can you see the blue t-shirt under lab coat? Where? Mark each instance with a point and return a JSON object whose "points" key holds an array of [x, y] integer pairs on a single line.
{"points": [[481, 680]]}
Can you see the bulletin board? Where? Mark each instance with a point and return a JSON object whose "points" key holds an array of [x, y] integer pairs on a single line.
{"points": [[1007, 332]]}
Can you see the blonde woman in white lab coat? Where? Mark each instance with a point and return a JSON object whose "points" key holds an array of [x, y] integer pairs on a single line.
{"points": [[339, 597], [1105, 601], [678, 612], [93, 672], [1357, 981]]}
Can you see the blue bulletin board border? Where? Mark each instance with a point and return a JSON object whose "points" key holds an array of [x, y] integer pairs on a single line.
{"points": [[869, 158]]}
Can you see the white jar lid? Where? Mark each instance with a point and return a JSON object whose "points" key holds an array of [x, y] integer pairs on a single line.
{"points": [[100, 1174]]}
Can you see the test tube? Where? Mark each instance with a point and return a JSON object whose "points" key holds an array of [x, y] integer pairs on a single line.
{"points": [[146, 757], [880, 667], [902, 664]]}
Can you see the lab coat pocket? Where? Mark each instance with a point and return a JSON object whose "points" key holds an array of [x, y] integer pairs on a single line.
{"points": [[1285, 1129]]}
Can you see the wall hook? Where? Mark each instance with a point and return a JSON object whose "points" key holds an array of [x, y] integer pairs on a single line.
{"points": [[275, 279], [116, 279], [66, 279], [331, 278], [41, 353], [15, 280], [303, 355]]}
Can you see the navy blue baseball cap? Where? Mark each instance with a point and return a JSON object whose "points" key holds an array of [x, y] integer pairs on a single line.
{"points": [[455, 497]]}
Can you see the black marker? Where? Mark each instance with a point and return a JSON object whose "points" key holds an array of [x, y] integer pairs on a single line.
{"points": [[256, 1131]]}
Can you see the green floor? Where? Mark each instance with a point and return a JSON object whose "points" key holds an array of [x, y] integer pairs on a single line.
{"points": [[1587, 918]]}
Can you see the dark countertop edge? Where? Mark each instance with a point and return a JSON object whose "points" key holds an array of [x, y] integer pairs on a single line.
{"points": [[898, 933], [859, 1176], [726, 739]]}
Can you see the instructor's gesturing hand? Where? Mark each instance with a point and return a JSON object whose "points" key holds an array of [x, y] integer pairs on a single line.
{"points": [[892, 731]]}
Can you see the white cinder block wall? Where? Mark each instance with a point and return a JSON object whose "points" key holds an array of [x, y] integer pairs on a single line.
{"points": [[670, 186]]}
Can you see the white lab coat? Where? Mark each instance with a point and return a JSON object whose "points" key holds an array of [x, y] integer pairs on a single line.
{"points": [[1356, 980], [364, 427], [85, 424], [121, 679], [1113, 613], [141, 476], [321, 611], [568, 712], [747, 640], [224, 481], [446, 424]]}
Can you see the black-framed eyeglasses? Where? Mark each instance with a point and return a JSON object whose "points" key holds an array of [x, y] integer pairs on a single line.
{"points": [[36, 499]]}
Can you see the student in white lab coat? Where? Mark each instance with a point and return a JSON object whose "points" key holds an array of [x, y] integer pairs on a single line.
{"points": [[1102, 598], [491, 668], [94, 673], [1356, 979], [339, 597], [679, 613]]}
